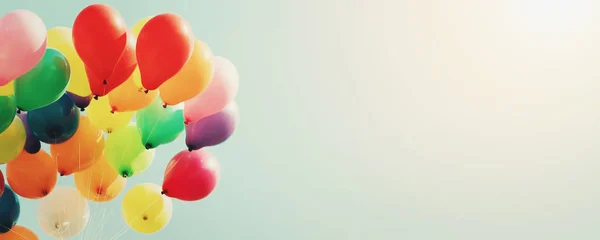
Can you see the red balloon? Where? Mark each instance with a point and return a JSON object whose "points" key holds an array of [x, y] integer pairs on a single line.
{"points": [[121, 73], [164, 45], [1, 183], [191, 176], [100, 37]]}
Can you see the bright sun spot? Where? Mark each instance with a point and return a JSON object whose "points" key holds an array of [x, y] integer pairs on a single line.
{"points": [[554, 15]]}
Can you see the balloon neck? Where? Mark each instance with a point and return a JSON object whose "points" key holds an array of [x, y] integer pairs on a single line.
{"points": [[163, 192], [61, 227], [19, 110], [146, 91], [104, 82], [126, 174], [82, 109], [95, 97], [100, 191], [164, 105], [44, 192], [148, 146]]}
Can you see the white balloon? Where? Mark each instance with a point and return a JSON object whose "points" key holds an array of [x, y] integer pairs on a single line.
{"points": [[64, 213]]}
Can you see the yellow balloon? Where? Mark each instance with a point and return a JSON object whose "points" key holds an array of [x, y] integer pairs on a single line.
{"points": [[192, 79], [129, 96], [8, 89], [99, 183], [100, 114], [61, 39], [145, 209], [12, 141], [139, 25]]}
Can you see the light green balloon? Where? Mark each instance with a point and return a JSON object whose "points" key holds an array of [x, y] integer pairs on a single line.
{"points": [[45, 83], [159, 125], [125, 152]]}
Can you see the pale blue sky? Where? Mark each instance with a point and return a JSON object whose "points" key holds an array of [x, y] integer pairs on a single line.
{"points": [[390, 119]]}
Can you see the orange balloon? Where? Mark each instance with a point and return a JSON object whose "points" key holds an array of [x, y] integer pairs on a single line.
{"points": [[81, 151], [192, 79], [19, 232], [130, 96], [164, 45], [99, 183], [32, 175]]}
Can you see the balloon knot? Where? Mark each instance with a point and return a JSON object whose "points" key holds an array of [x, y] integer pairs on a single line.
{"points": [[164, 105], [145, 218], [148, 146], [190, 149], [109, 130], [125, 174], [62, 174], [44, 192], [186, 122], [104, 82], [163, 192], [100, 191], [82, 109], [112, 111], [95, 97], [146, 91]]}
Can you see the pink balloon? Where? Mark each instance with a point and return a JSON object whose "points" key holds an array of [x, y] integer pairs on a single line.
{"points": [[22, 43], [219, 93]]}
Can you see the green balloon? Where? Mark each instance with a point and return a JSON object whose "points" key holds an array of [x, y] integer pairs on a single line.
{"points": [[125, 153], [8, 110], [159, 125], [45, 83]]}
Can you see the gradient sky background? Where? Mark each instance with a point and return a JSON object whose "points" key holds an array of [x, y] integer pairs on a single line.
{"points": [[390, 119]]}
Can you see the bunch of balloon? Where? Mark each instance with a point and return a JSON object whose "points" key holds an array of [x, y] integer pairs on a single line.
{"points": [[103, 98]]}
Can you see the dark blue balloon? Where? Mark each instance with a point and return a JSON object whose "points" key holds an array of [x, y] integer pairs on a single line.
{"points": [[80, 102], [55, 123], [32, 143], [10, 209]]}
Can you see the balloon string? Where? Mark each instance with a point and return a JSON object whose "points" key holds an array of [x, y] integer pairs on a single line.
{"points": [[103, 220], [89, 192], [125, 228]]}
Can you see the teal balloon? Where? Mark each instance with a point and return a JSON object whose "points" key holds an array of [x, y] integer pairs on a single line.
{"points": [[159, 125], [10, 209], [8, 110], [45, 83], [55, 123]]}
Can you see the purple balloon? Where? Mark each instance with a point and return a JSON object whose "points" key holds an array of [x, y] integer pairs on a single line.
{"points": [[32, 143], [80, 102], [212, 130]]}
